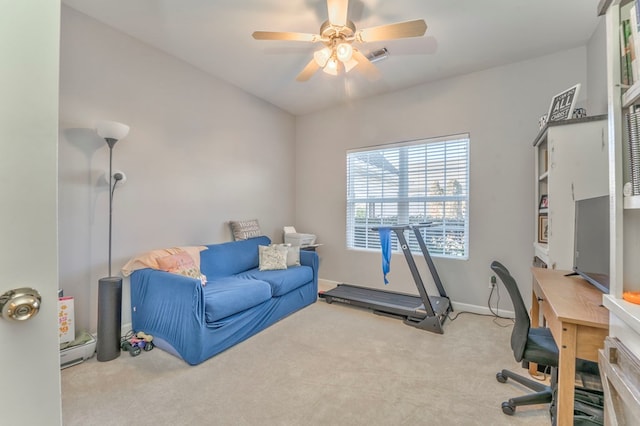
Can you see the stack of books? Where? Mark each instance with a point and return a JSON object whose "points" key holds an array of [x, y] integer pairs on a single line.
{"points": [[630, 43]]}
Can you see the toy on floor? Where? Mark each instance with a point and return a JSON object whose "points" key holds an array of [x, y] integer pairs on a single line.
{"points": [[135, 343]]}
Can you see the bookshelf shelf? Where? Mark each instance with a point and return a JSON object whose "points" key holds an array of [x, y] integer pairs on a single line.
{"points": [[631, 96], [632, 202], [626, 311]]}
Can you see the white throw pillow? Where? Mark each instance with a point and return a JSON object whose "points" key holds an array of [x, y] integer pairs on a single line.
{"points": [[293, 254], [272, 257]]}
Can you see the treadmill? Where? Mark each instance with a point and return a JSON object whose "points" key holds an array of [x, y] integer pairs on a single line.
{"points": [[424, 312]]}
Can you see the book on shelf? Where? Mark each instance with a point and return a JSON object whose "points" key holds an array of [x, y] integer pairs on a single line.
{"points": [[630, 43], [634, 42], [626, 52]]}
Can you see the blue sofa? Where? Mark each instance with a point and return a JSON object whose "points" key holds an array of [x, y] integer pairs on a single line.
{"points": [[196, 322]]}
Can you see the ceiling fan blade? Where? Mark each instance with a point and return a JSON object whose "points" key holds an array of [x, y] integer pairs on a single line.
{"points": [[415, 28], [365, 66], [276, 35], [308, 71], [338, 12]]}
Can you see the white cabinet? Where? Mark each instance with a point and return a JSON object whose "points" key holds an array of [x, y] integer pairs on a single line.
{"points": [[571, 164]]}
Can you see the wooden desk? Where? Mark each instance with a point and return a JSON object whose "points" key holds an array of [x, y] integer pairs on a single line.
{"points": [[579, 323]]}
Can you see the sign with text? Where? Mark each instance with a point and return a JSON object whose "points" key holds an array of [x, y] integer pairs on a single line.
{"points": [[563, 103], [66, 320]]}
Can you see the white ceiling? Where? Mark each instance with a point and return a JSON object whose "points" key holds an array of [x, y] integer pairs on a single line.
{"points": [[463, 36]]}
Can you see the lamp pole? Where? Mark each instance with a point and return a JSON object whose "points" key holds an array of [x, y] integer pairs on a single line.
{"points": [[110, 288], [111, 142]]}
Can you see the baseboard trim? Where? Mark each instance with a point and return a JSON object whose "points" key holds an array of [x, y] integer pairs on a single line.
{"points": [[482, 310]]}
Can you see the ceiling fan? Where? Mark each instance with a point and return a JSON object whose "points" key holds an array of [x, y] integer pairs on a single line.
{"points": [[338, 34]]}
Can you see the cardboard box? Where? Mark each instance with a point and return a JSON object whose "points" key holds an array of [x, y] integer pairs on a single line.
{"points": [[66, 320]]}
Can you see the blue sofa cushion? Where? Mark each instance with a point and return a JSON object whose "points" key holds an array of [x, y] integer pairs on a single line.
{"points": [[226, 296], [282, 281], [225, 259]]}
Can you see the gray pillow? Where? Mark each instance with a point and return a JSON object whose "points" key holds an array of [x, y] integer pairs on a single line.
{"points": [[245, 229]]}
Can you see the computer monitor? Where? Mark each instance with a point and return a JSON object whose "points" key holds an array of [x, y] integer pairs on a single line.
{"points": [[591, 248]]}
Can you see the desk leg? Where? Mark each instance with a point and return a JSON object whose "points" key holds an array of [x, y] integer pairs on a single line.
{"points": [[566, 374], [535, 322]]}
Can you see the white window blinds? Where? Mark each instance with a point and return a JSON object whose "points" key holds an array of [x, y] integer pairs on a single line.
{"points": [[425, 181]]}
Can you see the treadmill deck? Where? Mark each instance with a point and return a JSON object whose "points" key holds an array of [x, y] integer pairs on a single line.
{"points": [[400, 304]]}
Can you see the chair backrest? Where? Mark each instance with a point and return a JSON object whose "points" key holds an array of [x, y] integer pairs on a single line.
{"points": [[520, 332]]}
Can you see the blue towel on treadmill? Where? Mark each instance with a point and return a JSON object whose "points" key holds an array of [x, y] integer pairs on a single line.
{"points": [[385, 242]]}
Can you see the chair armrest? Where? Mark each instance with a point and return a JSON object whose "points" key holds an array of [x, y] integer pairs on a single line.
{"points": [[166, 304], [310, 258]]}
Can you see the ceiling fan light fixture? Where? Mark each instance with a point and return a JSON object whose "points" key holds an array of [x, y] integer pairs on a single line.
{"points": [[338, 35], [322, 56], [344, 52], [332, 67]]}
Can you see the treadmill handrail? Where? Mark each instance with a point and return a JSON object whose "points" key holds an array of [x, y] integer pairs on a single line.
{"points": [[403, 227], [399, 230]]}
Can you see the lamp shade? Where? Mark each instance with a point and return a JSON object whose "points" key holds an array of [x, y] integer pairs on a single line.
{"points": [[344, 51], [322, 56], [112, 130], [332, 67]]}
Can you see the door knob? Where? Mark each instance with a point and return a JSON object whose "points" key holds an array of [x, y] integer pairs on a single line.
{"points": [[20, 304]]}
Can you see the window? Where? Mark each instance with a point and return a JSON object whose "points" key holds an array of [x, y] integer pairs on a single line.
{"points": [[423, 181]]}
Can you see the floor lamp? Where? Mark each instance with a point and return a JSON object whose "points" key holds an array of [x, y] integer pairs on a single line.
{"points": [[110, 288]]}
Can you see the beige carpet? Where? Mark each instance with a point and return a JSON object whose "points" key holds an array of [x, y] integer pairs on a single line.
{"points": [[325, 365]]}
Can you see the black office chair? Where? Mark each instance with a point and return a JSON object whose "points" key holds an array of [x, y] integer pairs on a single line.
{"points": [[528, 344]]}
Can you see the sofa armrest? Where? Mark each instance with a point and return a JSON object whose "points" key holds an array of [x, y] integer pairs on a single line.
{"points": [[310, 258], [167, 305]]}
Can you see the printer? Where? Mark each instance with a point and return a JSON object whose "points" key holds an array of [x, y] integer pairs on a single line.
{"points": [[296, 238]]}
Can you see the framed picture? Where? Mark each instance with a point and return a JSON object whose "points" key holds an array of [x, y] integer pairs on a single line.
{"points": [[543, 228], [544, 202], [563, 103]]}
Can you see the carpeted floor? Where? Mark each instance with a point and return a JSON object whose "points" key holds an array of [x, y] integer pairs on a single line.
{"points": [[325, 365]]}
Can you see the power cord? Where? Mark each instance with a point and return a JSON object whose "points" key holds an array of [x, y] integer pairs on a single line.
{"points": [[495, 315], [545, 373], [496, 288]]}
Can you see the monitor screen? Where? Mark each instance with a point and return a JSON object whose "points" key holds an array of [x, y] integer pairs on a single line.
{"points": [[591, 253]]}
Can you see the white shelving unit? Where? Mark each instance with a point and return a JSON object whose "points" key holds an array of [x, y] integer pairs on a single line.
{"points": [[625, 211], [571, 159]]}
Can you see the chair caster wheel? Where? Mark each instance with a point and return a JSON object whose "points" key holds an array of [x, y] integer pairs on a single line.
{"points": [[508, 409], [500, 377]]}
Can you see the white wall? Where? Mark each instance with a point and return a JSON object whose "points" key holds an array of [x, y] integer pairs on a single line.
{"points": [[200, 153], [500, 108], [597, 71]]}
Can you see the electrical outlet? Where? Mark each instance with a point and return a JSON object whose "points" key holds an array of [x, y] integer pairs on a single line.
{"points": [[493, 282]]}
